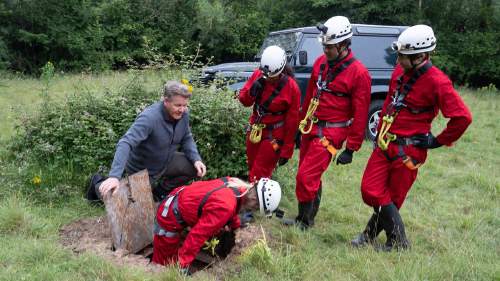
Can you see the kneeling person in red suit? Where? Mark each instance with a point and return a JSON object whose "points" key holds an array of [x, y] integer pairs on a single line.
{"points": [[206, 207]]}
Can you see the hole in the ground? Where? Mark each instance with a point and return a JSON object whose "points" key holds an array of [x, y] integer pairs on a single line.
{"points": [[93, 235]]}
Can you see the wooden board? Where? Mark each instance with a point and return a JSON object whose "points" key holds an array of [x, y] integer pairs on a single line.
{"points": [[131, 213]]}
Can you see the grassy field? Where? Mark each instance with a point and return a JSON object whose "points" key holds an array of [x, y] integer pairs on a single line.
{"points": [[452, 213]]}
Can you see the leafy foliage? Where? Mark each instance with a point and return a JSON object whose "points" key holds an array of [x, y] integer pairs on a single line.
{"points": [[93, 35], [80, 133], [218, 123]]}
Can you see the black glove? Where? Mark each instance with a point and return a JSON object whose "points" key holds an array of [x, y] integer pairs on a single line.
{"points": [[282, 161], [425, 141], [227, 240], [345, 157], [257, 87]]}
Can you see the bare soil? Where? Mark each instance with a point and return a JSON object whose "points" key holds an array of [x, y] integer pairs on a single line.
{"points": [[93, 235]]}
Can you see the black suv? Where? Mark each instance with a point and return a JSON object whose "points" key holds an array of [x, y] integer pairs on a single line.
{"points": [[370, 44]]}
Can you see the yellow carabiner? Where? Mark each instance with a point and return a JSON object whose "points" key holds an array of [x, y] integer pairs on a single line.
{"points": [[384, 137], [309, 116], [256, 133]]}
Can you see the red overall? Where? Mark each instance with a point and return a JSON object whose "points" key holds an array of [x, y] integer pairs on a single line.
{"points": [[261, 156], [384, 180], [354, 82], [220, 208]]}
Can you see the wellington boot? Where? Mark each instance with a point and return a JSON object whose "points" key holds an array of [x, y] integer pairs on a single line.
{"points": [[394, 228], [372, 230]]}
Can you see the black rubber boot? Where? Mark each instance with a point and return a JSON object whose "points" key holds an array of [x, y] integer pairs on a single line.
{"points": [[95, 180], [305, 218], [316, 202], [372, 230], [293, 222], [394, 228]]}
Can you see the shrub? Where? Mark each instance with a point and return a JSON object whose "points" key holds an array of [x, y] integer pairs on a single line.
{"points": [[218, 122], [79, 134]]}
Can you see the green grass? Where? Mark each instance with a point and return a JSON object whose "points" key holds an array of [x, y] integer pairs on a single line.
{"points": [[451, 214]]}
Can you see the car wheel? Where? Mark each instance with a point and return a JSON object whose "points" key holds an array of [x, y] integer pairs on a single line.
{"points": [[373, 119]]}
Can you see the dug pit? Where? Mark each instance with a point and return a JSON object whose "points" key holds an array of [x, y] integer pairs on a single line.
{"points": [[93, 235]]}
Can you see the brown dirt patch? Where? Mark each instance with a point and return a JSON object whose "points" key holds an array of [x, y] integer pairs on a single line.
{"points": [[93, 235]]}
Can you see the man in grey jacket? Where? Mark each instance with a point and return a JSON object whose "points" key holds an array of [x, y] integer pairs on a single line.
{"points": [[152, 143]]}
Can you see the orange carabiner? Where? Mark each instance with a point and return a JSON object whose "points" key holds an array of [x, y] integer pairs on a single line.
{"points": [[326, 143], [410, 164]]}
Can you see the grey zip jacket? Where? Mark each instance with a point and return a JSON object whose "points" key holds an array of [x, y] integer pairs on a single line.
{"points": [[151, 141]]}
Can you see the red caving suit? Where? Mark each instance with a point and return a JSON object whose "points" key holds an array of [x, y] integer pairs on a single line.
{"points": [[262, 157], [386, 181], [355, 82], [220, 208]]}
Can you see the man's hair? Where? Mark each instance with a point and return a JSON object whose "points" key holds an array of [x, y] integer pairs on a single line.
{"points": [[346, 43], [174, 88]]}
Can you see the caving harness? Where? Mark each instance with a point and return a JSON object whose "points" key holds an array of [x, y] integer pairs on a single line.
{"points": [[322, 86], [174, 201], [398, 103], [262, 109]]}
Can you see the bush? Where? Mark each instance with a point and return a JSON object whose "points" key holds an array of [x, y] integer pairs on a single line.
{"points": [[80, 131], [79, 134], [463, 57], [218, 122]]}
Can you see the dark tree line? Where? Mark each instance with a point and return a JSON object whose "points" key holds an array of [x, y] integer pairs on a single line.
{"points": [[107, 34]]}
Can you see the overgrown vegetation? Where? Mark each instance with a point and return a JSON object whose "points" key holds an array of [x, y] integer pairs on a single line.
{"points": [[452, 212], [97, 35], [78, 134]]}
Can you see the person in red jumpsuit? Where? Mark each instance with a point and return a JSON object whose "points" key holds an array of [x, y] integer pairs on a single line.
{"points": [[275, 97], [417, 91], [334, 112], [206, 207]]}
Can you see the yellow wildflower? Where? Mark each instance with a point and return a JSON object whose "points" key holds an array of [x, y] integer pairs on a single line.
{"points": [[37, 180], [186, 82]]}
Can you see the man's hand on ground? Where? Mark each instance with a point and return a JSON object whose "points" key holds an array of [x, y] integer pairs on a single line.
{"points": [[201, 169], [109, 184]]}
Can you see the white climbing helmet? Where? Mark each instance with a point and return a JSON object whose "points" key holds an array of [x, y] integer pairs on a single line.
{"points": [[273, 61], [269, 193], [416, 39], [335, 30]]}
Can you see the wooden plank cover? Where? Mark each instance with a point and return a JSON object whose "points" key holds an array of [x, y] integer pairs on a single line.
{"points": [[131, 212]]}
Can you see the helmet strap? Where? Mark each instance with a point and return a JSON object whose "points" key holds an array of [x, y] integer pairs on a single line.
{"points": [[418, 60]]}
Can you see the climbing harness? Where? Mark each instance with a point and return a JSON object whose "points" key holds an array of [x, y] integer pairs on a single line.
{"points": [[173, 200], [322, 86], [263, 110], [397, 104]]}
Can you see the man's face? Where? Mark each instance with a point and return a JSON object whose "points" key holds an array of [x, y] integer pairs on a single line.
{"points": [[176, 106], [251, 200], [331, 51], [404, 61]]}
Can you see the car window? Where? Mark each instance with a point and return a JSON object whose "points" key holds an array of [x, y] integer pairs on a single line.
{"points": [[313, 48], [374, 52], [287, 41]]}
